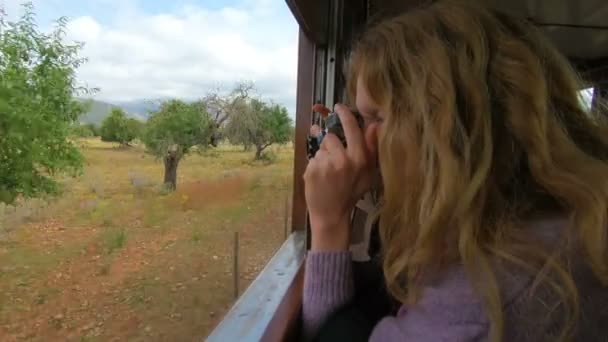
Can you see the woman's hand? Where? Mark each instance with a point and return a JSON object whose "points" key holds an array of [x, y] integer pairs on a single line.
{"points": [[335, 180]]}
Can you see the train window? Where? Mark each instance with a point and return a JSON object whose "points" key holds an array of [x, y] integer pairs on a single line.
{"points": [[146, 165], [586, 96]]}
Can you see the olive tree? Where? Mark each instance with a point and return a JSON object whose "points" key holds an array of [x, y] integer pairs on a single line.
{"points": [[38, 109], [117, 127], [173, 131], [222, 107], [93, 128], [259, 125], [82, 131]]}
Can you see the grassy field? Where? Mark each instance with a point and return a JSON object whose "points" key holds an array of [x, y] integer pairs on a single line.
{"points": [[115, 258]]}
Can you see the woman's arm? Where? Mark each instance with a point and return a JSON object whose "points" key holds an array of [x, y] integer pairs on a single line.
{"points": [[328, 285], [335, 179]]}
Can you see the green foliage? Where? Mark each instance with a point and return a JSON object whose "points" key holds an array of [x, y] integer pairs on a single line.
{"points": [[83, 131], [277, 123], [37, 107], [118, 128], [292, 134], [260, 125], [93, 128], [135, 127], [114, 239], [177, 125]]}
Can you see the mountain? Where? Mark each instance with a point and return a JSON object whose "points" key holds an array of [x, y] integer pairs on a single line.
{"points": [[139, 108], [99, 110]]}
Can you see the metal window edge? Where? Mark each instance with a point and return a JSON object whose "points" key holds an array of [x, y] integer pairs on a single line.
{"points": [[250, 316]]}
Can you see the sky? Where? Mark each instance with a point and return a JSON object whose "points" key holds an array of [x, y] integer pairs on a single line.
{"points": [[150, 49]]}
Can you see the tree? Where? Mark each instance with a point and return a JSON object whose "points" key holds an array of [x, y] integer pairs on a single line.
{"points": [[37, 107], [259, 125], [118, 128], [292, 135], [173, 131], [135, 128], [221, 107], [83, 131], [93, 128]]}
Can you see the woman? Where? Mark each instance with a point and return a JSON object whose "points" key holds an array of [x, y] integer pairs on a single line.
{"points": [[496, 191]]}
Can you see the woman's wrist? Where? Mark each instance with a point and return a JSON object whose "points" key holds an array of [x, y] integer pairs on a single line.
{"points": [[330, 237]]}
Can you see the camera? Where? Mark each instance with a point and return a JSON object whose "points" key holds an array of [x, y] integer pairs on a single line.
{"points": [[334, 126]]}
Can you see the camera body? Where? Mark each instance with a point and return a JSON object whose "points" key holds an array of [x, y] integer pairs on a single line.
{"points": [[334, 125]]}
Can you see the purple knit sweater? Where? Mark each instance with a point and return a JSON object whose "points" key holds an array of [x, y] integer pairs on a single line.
{"points": [[449, 310]]}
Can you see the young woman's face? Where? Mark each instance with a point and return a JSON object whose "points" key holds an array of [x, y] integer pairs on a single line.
{"points": [[367, 107]]}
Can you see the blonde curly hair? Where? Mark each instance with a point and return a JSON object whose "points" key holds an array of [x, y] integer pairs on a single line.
{"points": [[485, 130]]}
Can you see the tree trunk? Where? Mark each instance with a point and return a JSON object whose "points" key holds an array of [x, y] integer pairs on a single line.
{"points": [[258, 152], [259, 149], [214, 139], [171, 161]]}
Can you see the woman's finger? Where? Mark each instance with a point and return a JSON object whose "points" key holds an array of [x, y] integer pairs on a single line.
{"points": [[352, 132], [315, 164], [332, 144], [321, 155], [321, 109]]}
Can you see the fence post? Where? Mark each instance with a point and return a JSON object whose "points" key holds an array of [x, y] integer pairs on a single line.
{"points": [[235, 266]]}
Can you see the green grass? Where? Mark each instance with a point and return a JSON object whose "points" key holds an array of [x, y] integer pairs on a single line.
{"points": [[21, 265], [25, 260], [114, 239]]}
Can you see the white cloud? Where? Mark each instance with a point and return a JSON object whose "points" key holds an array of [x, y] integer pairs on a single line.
{"points": [[187, 53]]}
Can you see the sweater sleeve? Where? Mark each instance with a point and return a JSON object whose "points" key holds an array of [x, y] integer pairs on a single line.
{"points": [[328, 284]]}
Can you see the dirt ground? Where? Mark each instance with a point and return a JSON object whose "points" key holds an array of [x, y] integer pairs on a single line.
{"points": [[116, 258]]}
